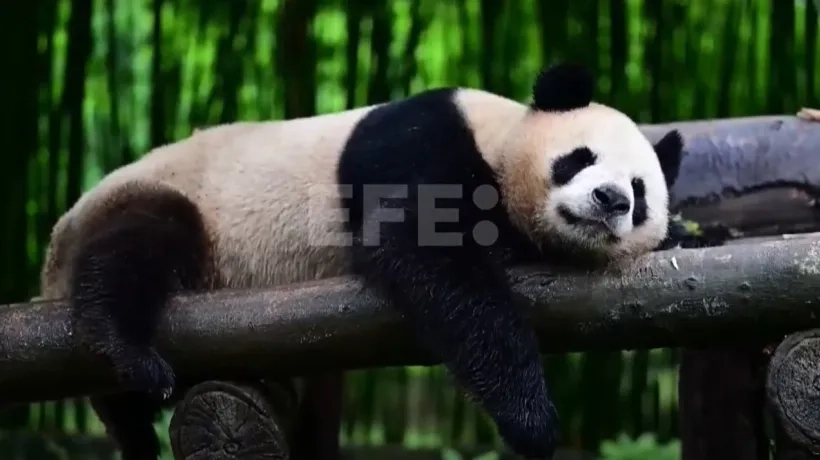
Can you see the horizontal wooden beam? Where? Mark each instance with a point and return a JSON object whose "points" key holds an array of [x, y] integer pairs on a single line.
{"points": [[732, 156], [739, 293]]}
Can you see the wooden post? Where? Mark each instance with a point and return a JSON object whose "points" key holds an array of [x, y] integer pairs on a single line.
{"points": [[793, 396], [221, 420], [721, 404]]}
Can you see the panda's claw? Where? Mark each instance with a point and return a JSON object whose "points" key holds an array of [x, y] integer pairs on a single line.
{"points": [[166, 393], [147, 372]]}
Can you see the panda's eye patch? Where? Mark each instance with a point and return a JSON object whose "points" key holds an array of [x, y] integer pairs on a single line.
{"points": [[566, 167], [640, 213], [638, 188]]}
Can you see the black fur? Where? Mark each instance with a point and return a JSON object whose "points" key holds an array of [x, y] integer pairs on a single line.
{"points": [[568, 166], [562, 87], [454, 292], [147, 246], [456, 295], [670, 153], [679, 235], [640, 212]]}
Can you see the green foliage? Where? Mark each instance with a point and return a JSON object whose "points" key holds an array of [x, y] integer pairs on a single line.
{"points": [[690, 226], [450, 454], [645, 447]]}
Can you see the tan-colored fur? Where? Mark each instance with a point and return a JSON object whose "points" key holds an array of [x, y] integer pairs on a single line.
{"points": [[252, 183], [255, 183], [534, 143]]}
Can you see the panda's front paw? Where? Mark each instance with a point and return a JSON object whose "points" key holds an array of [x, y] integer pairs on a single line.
{"points": [[146, 371], [532, 434]]}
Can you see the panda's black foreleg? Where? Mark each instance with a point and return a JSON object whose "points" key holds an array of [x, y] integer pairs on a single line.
{"points": [[462, 309], [145, 248]]}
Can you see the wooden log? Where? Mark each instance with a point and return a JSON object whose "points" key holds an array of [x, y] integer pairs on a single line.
{"points": [[41, 445], [759, 175], [736, 155], [793, 396], [221, 420], [733, 294], [753, 176]]}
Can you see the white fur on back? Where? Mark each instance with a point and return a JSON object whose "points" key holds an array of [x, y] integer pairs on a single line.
{"points": [[492, 118], [261, 197], [259, 185], [267, 192], [252, 182]]}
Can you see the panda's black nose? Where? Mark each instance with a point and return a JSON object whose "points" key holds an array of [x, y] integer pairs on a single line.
{"points": [[611, 200]]}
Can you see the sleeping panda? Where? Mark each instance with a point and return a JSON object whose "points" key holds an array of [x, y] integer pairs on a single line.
{"points": [[428, 199]]}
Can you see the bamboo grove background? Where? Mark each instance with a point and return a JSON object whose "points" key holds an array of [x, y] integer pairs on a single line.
{"points": [[92, 84]]}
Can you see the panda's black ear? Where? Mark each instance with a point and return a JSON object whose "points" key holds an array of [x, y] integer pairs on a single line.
{"points": [[562, 87], [670, 153]]}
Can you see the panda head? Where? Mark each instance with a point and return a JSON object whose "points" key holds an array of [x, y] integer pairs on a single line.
{"points": [[581, 175]]}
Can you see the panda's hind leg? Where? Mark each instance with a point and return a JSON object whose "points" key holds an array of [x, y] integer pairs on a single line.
{"points": [[147, 243]]}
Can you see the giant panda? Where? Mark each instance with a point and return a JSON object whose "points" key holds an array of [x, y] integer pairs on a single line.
{"points": [[427, 199]]}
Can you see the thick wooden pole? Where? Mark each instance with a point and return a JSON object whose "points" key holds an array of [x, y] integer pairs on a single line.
{"points": [[728, 295], [793, 396]]}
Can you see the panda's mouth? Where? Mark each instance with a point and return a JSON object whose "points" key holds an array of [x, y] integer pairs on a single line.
{"points": [[577, 221]]}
